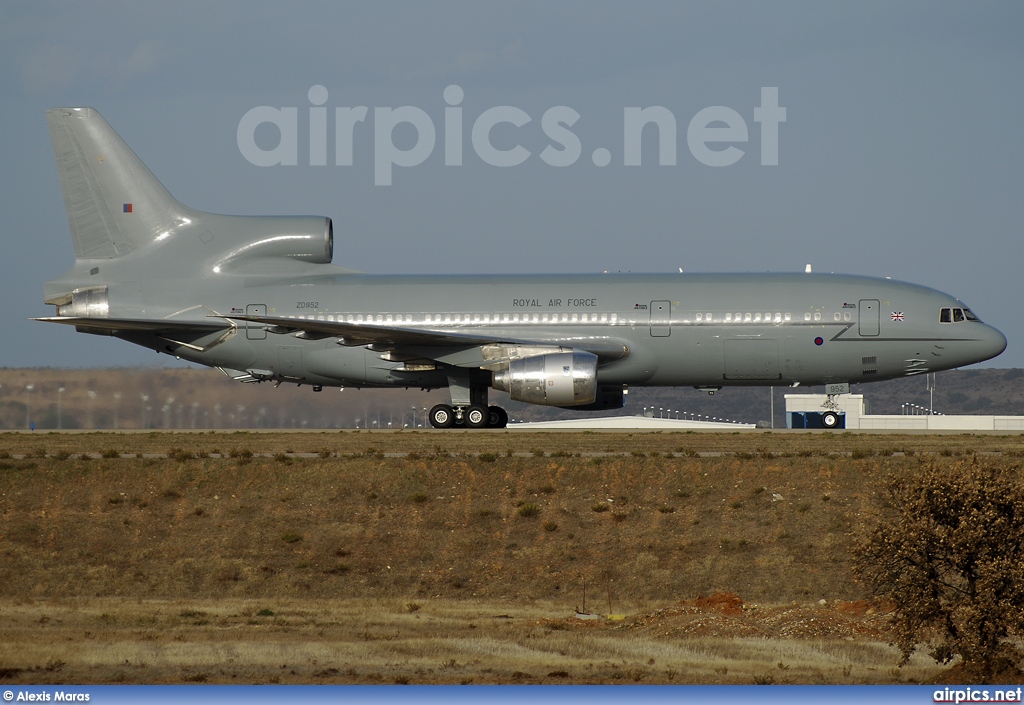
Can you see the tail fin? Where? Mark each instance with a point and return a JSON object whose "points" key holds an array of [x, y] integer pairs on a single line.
{"points": [[128, 229], [114, 203]]}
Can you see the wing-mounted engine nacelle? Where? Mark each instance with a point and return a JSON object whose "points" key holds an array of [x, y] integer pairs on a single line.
{"points": [[555, 379]]}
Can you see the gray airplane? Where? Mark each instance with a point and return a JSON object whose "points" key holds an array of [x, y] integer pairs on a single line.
{"points": [[258, 298]]}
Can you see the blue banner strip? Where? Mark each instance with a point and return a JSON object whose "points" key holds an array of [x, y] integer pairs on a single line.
{"points": [[513, 695]]}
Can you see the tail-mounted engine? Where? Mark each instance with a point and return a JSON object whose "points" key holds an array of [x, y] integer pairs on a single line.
{"points": [[555, 379]]}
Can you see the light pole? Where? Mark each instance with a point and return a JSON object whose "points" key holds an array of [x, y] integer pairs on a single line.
{"points": [[28, 405], [60, 413], [92, 403], [117, 408]]}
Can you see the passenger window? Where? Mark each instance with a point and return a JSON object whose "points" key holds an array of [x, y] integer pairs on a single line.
{"points": [[958, 315], [707, 317], [728, 317], [757, 318], [836, 316]]}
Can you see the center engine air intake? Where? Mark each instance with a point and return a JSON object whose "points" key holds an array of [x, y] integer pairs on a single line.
{"points": [[555, 379]]}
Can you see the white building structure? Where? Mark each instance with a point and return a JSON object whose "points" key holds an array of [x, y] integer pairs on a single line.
{"points": [[804, 410]]}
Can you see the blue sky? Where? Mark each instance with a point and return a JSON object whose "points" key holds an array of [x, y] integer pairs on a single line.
{"points": [[901, 154]]}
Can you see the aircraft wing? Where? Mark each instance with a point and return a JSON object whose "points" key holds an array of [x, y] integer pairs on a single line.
{"points": [[384, 338]]}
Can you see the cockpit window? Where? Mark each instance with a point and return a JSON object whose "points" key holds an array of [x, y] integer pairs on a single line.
{"points": [[956, 315]]}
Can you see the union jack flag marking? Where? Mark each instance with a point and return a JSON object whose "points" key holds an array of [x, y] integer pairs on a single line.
{"points": [[897, 316]]}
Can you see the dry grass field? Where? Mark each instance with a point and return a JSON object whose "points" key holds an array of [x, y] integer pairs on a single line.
{"points": [[449, 557]]}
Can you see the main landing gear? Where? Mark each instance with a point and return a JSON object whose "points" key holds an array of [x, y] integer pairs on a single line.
{"points": [[469, 407], [471, 416]]}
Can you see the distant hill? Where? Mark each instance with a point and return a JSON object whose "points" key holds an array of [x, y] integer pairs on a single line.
{"points": [[201, 398]]}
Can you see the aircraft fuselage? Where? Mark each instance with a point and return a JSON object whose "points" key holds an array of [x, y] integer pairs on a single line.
{"points": [[681, 329]]}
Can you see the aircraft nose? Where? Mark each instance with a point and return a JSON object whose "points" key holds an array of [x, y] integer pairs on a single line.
{"points": [[995, 343]]}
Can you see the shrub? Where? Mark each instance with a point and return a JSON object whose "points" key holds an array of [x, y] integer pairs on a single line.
{"points": [[949, 559], [180, 454], [529, 510], [488, 457], [600, 507], [291, 537]]}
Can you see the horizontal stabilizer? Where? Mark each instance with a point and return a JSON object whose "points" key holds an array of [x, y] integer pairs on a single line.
{"points": [[137, 324]]}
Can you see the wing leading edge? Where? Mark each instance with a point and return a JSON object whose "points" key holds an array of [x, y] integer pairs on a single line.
{"points": [[399, 338]]}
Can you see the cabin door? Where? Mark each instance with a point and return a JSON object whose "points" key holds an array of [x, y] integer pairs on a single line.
{"points": [[255, 331], [661, 319], [868, 316]]}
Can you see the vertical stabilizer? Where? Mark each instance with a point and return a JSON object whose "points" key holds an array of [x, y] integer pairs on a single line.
{"points": [[114, 203]]}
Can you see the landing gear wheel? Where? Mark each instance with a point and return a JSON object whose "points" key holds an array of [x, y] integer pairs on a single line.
{"points": [[830, 419], [496, 417], [475, 416], [442, 416]]}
